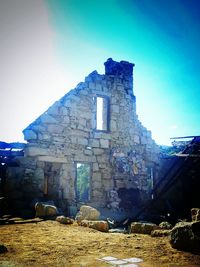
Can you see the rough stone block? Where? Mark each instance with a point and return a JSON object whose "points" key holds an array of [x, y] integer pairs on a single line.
{"points": [[45, 210], [44, 136], [186, 236], [96, 176], [82, 141], [29, 135], [115, 108], [97, 184], [55, 128], [88, 152], [98, 151], [46, 118], [143, 228], [160, 233], [136, 139], [52, 159], [36, 151], [98, 87], [101, 226], [87, 213], [95, 167], [143, 140], [64, 220], [113, 125], [104, 143], [95, 143]]}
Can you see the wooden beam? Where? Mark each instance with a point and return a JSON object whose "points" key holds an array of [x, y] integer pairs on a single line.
{"points": [[187, 155], [182, 137], [14, 145], [11, 153]]}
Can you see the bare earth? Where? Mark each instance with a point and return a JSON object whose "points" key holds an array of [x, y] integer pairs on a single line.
{"points": [[49, 243]]}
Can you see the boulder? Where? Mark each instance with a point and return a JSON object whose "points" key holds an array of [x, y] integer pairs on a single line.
{"points": [[64, 220], [186, 236], [160, 233], [45, 210], [3, 248], [101, 226], [143, 228], [195, 213], [87, 213], [165, 225]]}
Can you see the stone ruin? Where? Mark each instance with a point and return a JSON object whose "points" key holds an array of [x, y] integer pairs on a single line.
{"points": [[89, 148]]}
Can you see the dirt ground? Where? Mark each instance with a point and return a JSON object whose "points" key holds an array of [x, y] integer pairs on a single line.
{"points": [[49, 243]]}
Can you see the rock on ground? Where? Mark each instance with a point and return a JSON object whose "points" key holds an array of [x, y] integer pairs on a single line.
{"points": [[87, 213], [161, 232], [143, 228], [64, 220], [101, 226], [186, 236], [45, 210]]}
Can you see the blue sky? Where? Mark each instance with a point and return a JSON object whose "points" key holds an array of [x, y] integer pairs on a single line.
{"points": [[50, 46]]}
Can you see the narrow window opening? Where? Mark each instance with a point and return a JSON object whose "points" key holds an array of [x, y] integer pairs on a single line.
{"points": [[102, 113], [82, 186]]}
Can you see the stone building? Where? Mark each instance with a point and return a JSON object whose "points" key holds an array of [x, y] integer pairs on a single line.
{"points": [[89, 147]]}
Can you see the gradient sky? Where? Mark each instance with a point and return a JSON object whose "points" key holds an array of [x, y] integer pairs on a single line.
{"points": [[48, 46]]}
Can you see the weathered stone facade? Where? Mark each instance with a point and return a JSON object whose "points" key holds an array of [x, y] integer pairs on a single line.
{"points": [[123, 157]]}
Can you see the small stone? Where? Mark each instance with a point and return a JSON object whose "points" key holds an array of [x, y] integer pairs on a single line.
{"points": [[64, 220]]}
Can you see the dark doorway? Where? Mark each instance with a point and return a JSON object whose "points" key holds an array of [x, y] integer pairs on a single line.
{"points": [[51, 180]]}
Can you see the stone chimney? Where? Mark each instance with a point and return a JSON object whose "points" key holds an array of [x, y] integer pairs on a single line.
{"points": [[123, 70]]}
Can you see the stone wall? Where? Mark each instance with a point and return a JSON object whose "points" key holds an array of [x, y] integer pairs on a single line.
{"points": [[122, 157]]}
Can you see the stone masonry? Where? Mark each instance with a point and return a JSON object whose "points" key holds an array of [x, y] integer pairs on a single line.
{"points": [[123, 157]]}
